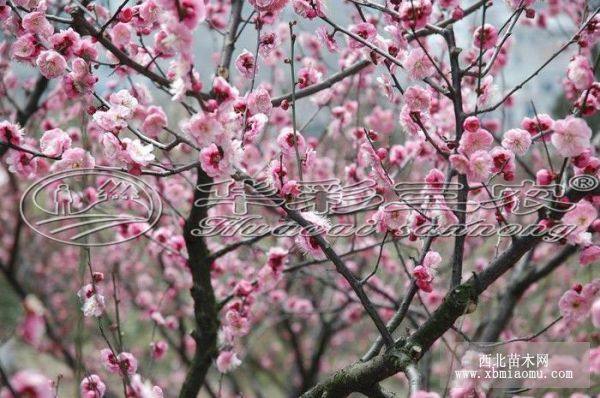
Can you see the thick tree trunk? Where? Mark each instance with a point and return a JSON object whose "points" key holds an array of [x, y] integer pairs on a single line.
{"points": [[205, 306]]}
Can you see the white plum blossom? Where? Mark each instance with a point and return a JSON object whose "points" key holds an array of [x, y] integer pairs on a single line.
{"points": [[94, 303], [144, 388], [137, 152]]}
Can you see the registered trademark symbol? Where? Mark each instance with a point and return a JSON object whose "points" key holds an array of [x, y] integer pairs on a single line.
{"points": [[584, 182]]}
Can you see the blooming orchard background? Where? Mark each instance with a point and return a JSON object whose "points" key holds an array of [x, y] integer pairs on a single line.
{"points": [[459, 96]]}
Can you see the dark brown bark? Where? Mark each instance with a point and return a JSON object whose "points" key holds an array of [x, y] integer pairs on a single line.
{"points": [[205, 305], [458, 302]]}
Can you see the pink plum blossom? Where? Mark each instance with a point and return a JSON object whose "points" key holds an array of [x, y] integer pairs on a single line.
{"points": [[74, 158], [288, 141], [140, 388], [224, 92], [246, 64], [471, 142], [124, 362], [480, 164], [432, 259], [227, 361], [414, 14], [22, 163], [121, 34], [137, 152], [308, 76], [268, 5], [327, 39], [33, 326], [309, 9], [155, 121], [10, 133], [390, 218], [307, 239], [365, 31], [194, 12], [544, 177], [159, 349], [485, 36], [580, 72], [92, 387], [517, 140], [65, 41], [581, 215], [79, 81], [94, 303], [573, 305], [471, 124], [590, 255], [26, 47], [423, 278], [36, 22], [537, 124], [29, 383], [54, 142], [435, 178], [296, 210], [417, 99], [51, 64], [202, 127], [219, 161], [503, 162], [571, 136], [259, 101], [254, 127], [418, 64], [268, 42]]}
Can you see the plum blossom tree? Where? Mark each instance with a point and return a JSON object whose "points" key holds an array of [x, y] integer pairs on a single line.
{"points": [[411, 116]]}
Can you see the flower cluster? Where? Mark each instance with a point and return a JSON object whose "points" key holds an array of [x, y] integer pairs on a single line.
{"points": [[394, 122]]}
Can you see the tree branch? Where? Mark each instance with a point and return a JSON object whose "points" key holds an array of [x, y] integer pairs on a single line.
{"points": [[515, 290], [205, 306], [83, 27], [325, 84], [459, 301], [230, 39], [340, 266]]}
